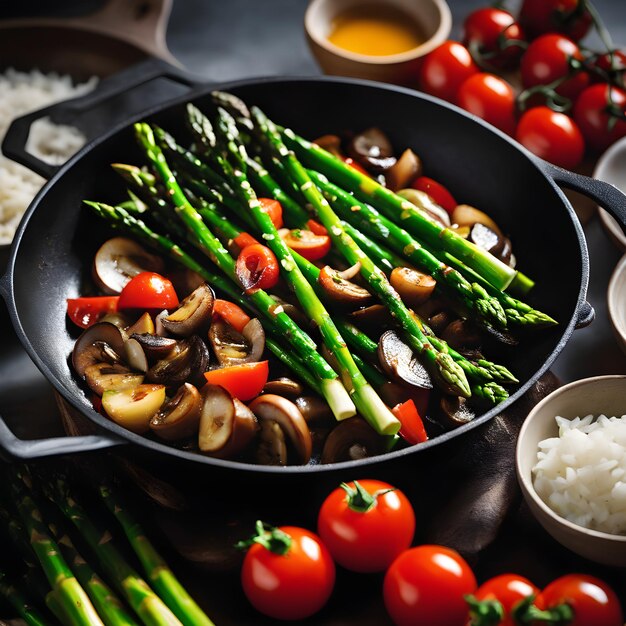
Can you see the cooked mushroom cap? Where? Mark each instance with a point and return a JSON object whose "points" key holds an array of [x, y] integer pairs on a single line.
{"points": [[179, 417], [272, 446], [245, 429], [314, 409], [217, 418], [351, 440], [423, 201], [100, 343], [372, 149], [398, 360], [407, 169], [187, 362], [414, 287], [339, 289], [193, 313], [232, 347], [284, 387], [153, 345], [466, 215], [455, 411], [287, 415], [486, 238]]}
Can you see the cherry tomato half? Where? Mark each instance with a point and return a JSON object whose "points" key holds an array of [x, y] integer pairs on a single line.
{"points": [[316, 228], [293, 585], [491, 32], [552, 136], [593, 601], [490, 98], [257, 268], [592, 114], [87, 311], [231, 314], [547, 59], [366, 524], [412, 430], [426, 586], [436, 191], [274, 210], [244, 239], [306, 243], [445, 68], [244, 382], [569, 17], [148, 290]]}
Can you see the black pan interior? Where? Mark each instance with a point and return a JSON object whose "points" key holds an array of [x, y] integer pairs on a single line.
{"points": [[56, 244]]}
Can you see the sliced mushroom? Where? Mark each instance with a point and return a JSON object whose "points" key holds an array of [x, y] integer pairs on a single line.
{"points": [[292, 311], [193, 313], [245, 429], [506, 254], [375, 315], [134, 408], [153, 345], [101, 377], [179, 417], [463, 336], [341, 290], [486, 238], [372, 149], [466, 215], [118, 260], [455, 411], [406, 169], [232, 347], [397, 359], [314, 409], [422, 201], [351, 440], [414, 287], [159, 329], [330, 143], [135, 356], [287, 415], [284, 387], [187, 362], [143, 325], [217, 418], [102, 342], [272, 446]]}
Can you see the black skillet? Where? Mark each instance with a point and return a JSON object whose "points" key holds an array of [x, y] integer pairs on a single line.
{"points": [[52, 250]]}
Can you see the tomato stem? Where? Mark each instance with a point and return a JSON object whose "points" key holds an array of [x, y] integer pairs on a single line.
{"points": [[484, 612], [359, 499], [526, 613], [270, 537]]}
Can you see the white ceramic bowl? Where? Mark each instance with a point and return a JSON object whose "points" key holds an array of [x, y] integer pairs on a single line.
{"points": [[433, 16], [611, 168], [598, 395], [616, 302]]}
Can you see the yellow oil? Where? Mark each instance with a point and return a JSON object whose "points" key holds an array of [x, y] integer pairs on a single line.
{"points": [[375, 30]]}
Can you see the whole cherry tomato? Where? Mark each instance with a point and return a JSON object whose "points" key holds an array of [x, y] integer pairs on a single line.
{"points": [[426, 586], [148, 290], [287, 572], [366, 524], [613, 64], [436, 191], [592, 601], [569, 17], [274, 209], [507, 590], [552, 136], [600, 117], [445, 68], [257, 268], [490, 33], [490, 98], [548, 59]]}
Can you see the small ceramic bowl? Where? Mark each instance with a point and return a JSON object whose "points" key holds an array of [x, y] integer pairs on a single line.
{"points": [[611, 168], [433, 16], [616, 302], [599, 395]]}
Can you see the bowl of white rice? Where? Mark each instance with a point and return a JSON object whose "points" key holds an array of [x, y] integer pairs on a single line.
{"points": [[571, 466]]}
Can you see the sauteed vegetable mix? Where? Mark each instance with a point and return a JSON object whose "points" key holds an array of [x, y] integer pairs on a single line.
{"points": [[333, 286]]}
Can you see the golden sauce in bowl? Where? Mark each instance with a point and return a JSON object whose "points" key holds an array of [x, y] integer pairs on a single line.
{"points": [[375, 30]]}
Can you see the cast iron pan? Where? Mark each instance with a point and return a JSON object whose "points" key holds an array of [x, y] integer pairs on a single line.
{"points": [[55, 243]]}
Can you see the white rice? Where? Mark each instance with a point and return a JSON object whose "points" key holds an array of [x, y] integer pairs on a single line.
{"points": [[581, 474], [20, 93]]}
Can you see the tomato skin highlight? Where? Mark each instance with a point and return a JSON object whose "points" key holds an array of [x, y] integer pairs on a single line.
{"points": [[593, 601], [552, 136], [306, 243], [244, 382], [148, 290], [509, 590], [84, 312], [257, 268], [293, 586], [412, 430], [436, 191], [231, 313], [354, 539], [274, 210], [426, 585]]}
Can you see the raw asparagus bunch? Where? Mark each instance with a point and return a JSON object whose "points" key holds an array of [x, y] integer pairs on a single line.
{"points": [[20, 603]]}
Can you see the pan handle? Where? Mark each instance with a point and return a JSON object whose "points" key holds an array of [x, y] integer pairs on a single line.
{"points": [[93, 113], [38, 448]]}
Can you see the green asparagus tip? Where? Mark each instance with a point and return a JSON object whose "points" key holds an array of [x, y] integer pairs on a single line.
{"points": [[452, 375]]}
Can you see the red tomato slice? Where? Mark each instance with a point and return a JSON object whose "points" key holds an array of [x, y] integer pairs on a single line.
{"points": [[231, 313], [87, 311], [257, 268], [412, 430], [306, 243], [148, 290], [436, 191], [274, 209], [244, 240], [243, 382], [316, 228]]}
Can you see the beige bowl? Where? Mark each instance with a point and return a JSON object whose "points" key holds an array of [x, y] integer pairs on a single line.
{"points": [[599, 395], [432, 15], [616, 302]]}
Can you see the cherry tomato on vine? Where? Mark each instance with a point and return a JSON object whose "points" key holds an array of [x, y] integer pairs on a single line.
{"points": [[489, 32], [552, 136], [366, 524], [287, 572], [436, 191], [87, 311], [274, 210], [569, 17], [613, 64], [426, 586], [548, 59], [257, 268], [594, 603], [490, 98], [445, 68], [148, 290], [602, 120]]}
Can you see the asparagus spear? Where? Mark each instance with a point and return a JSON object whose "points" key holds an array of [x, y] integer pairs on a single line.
{"points": [[155, 567], [23, 607], [395, 207], [447, 373], [332, 389]]}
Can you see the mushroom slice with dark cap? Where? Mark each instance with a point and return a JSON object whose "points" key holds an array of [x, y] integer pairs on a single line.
{"points": [[351, 440], [179, 417], [153, 345], [372, 149], [339, 289], [398, 361], [193, 313], [455, 411], [407, 168], [187, 362], [217, 418], [413, 287], [101, 343], [232, 347], [284, 387]]}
